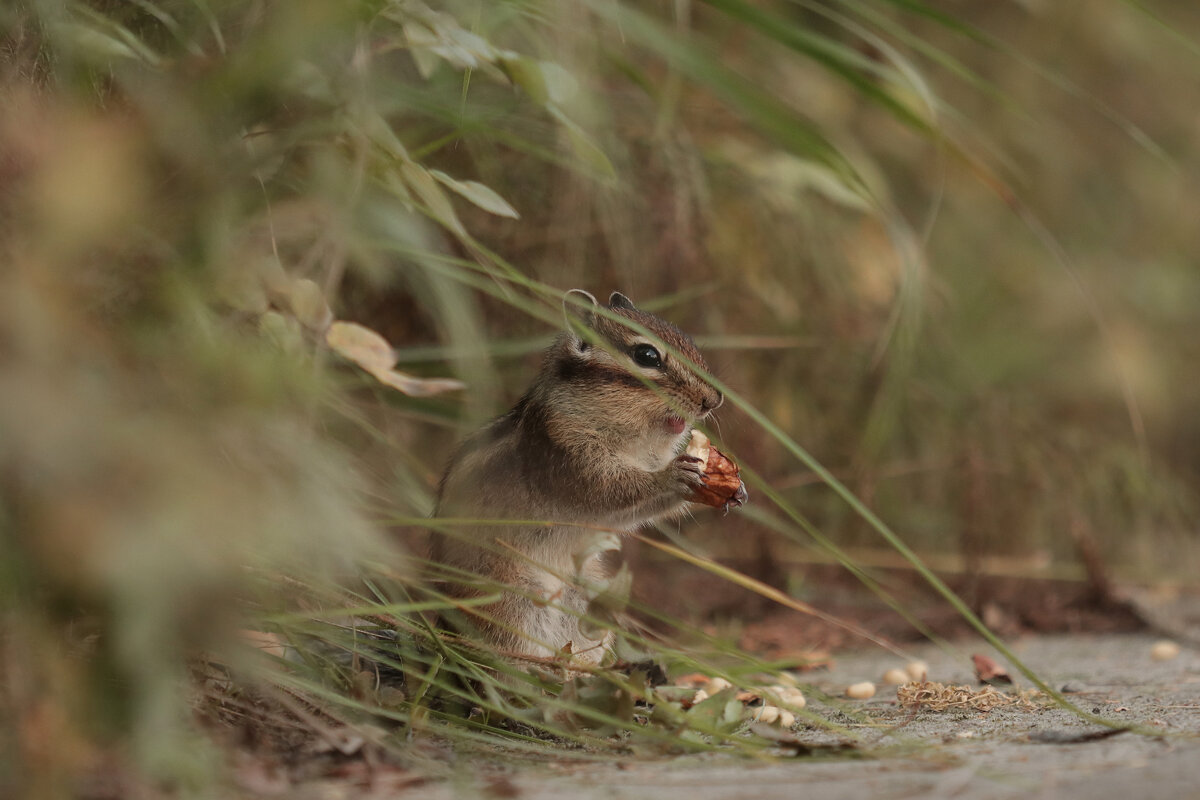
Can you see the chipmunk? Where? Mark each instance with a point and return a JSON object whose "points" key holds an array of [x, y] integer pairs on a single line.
{"points": [[596, 442]]}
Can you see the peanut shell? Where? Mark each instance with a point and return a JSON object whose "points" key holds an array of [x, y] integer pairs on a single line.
{"points": [[722, 485]]}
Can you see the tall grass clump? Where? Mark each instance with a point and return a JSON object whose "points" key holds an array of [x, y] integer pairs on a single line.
{"points": [[264, 262]]}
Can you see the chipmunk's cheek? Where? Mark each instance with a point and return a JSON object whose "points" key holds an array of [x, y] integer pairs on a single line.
{"points": [[675, 424]]}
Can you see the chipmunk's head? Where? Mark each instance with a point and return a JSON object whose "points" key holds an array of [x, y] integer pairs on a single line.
{"points": [[633, 366]]}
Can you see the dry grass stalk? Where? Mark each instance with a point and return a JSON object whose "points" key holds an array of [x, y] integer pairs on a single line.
{"points": [[940, 697]]}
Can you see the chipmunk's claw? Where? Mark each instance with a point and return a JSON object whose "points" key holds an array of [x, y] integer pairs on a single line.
{"points": [[739, 499]]}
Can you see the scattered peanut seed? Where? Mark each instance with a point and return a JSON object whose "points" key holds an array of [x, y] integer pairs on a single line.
{"points": [[1164, 650], [786, 719], [699, 697], [861, 691], [716, 685], [767, 714], [788, 696], [896, 677], [917, 670]]}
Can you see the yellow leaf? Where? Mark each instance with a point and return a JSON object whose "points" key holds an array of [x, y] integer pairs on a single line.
{"points": [[372, 352], [417, 387], [361, 345]]}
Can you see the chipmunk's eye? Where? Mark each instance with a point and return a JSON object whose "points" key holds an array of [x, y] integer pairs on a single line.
{"points": [[645, 355]]}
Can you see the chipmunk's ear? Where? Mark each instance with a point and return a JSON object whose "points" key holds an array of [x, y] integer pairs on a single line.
{"points": [[579, 307], [619, 300]]}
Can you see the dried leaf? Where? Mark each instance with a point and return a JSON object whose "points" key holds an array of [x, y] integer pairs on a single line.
{"points": [[372, 352], [988, 671], [418, 387], [693, 680], [361, 345]]}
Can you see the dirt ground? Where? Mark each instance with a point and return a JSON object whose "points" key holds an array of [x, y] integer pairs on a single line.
{"points": [[1002, 753], [1035, 750]]}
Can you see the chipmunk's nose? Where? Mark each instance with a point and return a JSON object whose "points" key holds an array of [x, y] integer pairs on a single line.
{"points": [[712, 402]]}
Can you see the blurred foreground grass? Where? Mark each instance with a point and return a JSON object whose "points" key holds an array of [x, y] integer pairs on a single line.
{"points": [[951, 256]]}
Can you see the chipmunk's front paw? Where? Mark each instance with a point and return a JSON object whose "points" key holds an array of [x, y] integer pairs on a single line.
{"points": [[687, 473]]}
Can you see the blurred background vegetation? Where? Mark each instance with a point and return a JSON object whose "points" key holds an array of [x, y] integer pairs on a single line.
{"points": [[948, 248]]}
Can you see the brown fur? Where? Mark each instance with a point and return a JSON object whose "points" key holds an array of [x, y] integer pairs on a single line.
{"points": [[589, 445]]}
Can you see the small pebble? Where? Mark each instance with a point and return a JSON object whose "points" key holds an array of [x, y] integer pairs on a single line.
{"points": [[896, 677], [1164, 650], [917, 670], [861, 691]]}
